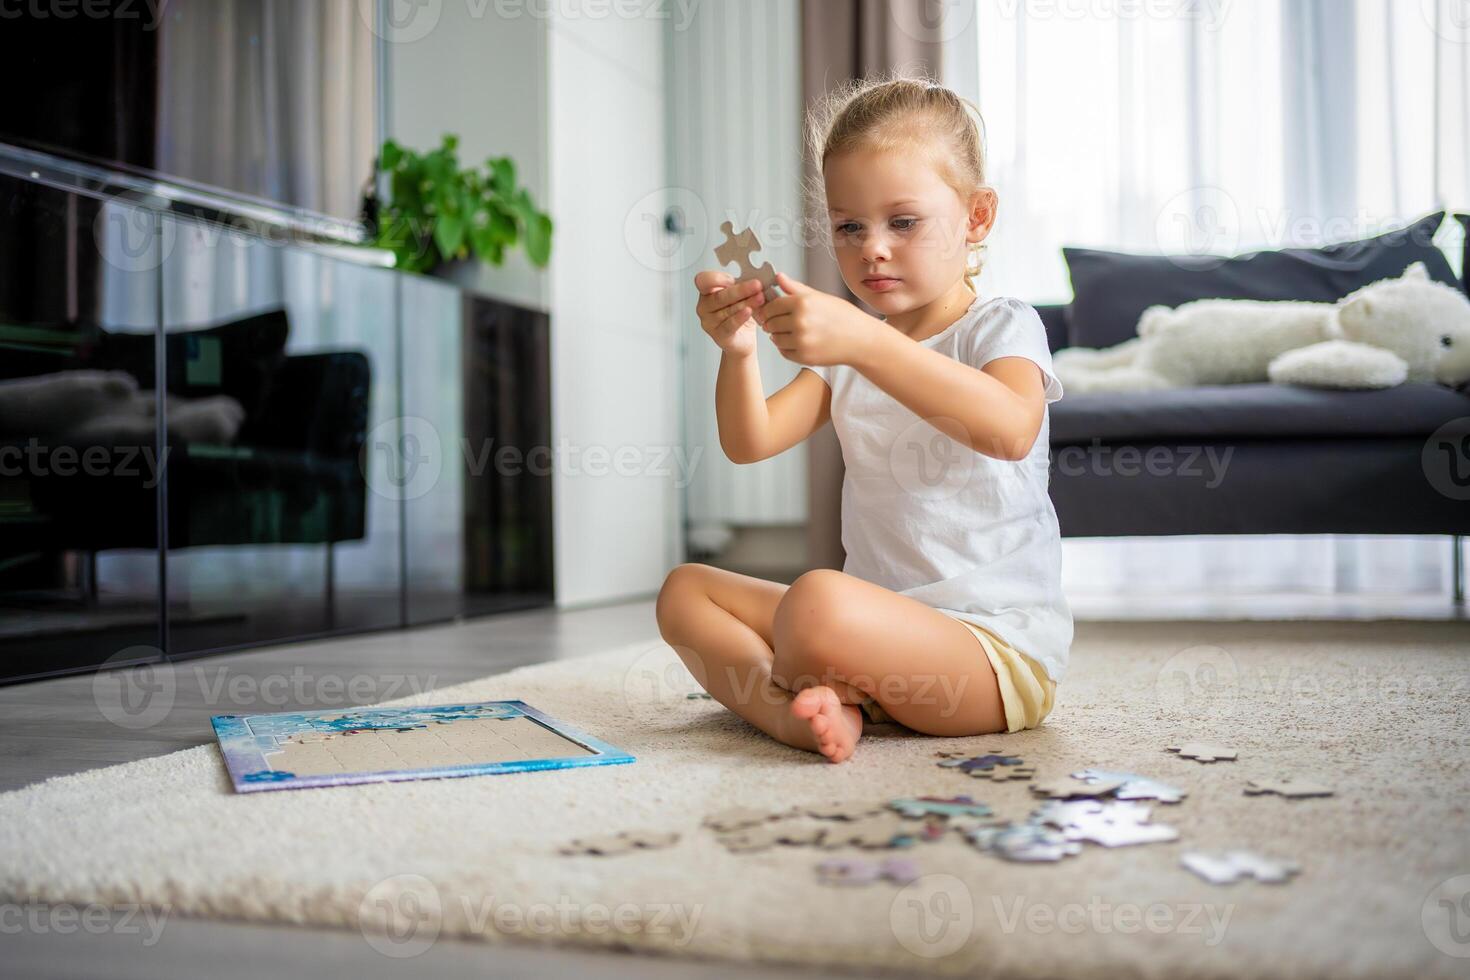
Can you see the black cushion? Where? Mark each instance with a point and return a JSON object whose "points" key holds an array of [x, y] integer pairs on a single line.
{"points": [[238, 357], [1111, 289], [1054, 318], [1253, 411]]}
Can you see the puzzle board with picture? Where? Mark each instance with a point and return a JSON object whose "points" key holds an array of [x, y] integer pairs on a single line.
{"points": [[294, 750]]}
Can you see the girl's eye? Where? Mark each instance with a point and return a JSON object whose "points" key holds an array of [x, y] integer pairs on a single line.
{"points": [[901, 224]]}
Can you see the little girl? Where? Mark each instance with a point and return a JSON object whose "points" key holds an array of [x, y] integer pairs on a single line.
{"points": [[948, 616]]}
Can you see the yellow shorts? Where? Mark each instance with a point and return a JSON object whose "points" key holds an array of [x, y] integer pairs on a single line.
{"points": [[1026, 691]]}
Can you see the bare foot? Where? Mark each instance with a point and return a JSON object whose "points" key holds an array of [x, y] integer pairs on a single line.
{"points": [[835, 726]]}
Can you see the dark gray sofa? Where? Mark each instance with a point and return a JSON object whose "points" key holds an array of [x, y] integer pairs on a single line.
{"points": [[1253, 459]]}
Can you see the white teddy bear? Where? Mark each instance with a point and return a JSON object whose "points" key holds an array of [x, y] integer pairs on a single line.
{"points": [[1394, 330]]}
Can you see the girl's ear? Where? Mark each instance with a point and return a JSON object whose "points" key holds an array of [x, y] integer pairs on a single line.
{"points": [[983, 206]]}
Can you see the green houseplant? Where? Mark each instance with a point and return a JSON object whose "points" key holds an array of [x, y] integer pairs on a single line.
{"points": [[438, 212]]}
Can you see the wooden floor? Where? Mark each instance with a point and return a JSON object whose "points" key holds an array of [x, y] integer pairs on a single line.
{"points": [[66, 725]]}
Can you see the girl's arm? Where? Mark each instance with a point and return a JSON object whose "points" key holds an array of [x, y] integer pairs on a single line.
{"points": [[754, 427], [996, 411]]}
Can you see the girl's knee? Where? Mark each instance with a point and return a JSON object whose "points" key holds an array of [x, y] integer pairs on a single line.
{"points": [[682, 585], [808, 621]]}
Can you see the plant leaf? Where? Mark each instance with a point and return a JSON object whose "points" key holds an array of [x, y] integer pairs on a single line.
{"points": [[538, 239], [503, 175]]}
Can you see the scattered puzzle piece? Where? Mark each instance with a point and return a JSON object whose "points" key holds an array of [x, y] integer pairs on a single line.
{"points": [[964, 753], [621, 843], [883, 830], [843, 810], [861, 871], [1135, 787], [1062, 790], [1003, 774], [938, 806], [981, 764], [1203, 752], [1113, 823], [1024, 842], [1296, 789], [737, 248], [736, 818], [1226, 869], [764, 837]]}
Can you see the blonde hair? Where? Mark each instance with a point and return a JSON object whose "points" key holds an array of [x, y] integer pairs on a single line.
{"points": [[893, 111]]}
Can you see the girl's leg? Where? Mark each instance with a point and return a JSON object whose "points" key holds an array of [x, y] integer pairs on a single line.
{"points": [[923, 666], [721, 625]]}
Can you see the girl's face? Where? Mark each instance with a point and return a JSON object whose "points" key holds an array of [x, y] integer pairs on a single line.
{"points": [[900, 232]]}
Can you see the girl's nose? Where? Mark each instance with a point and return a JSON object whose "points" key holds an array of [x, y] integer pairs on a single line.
{"points": [[875, 248]]}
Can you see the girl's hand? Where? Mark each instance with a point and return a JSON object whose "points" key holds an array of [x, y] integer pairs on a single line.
{"points": [[724, 310], [813, 327]]}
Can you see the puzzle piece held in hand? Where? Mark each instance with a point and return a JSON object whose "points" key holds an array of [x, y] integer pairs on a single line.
{"points": [[1296, 789], [1203, 751], [861, 871], [737, 248], [1228, 868], [621, 843]]}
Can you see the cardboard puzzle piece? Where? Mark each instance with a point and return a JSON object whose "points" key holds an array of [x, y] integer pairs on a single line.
{"points": [[621, 843], [1092, 789], [764, 837], [1114, 823], [737, 248], [843, 810], [861, 871], [737, 818], [1288, 786], [1203, 752], [965, 753], [939, 806], [1228, 868], [1004, 774], [982, 765], [1028, 841], [1135, 787], [881, 831]]}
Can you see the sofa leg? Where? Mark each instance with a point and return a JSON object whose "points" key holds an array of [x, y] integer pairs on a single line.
{"points": [[1457, 568]]}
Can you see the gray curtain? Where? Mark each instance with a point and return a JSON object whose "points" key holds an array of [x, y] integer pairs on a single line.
{"points": [[273, 98], [842, 40]]}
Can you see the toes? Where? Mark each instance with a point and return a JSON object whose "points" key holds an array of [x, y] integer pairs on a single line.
{"points": [[806, 704]]}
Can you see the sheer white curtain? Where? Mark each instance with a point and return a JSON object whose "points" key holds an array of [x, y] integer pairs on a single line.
{"points": [[1217, 127]]}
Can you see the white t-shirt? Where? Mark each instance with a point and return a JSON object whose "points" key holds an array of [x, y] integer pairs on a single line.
{"points": [[928, 517]]}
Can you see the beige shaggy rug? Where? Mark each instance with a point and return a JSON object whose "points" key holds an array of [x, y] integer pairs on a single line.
{"points": [[1380, 711]]}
